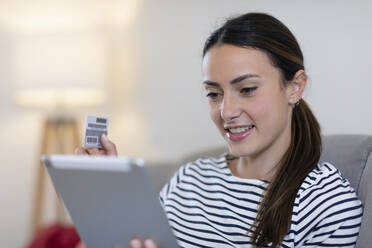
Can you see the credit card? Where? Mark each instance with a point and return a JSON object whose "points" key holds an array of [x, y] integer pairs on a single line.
{"points": [[96, 126]]}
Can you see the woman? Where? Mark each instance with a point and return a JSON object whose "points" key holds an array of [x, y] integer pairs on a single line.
{"points": [[269, 190]]}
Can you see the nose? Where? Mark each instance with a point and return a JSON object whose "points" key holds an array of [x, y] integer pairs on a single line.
{"points": [[229, 108]]}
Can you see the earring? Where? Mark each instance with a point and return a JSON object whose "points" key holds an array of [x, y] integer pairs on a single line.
{"points": [[297, 103]]}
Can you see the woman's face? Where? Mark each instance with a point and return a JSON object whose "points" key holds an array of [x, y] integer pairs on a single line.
{"points": [[248, 103]]}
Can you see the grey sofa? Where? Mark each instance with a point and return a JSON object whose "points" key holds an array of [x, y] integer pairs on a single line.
{"points": [[351, 154]]}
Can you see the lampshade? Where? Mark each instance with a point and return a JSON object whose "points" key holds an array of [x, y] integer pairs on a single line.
{"points": [[63, 69]]}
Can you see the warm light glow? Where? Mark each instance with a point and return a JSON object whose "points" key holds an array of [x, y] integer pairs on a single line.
{"points": [[66, 98], [59, 69], [33, 16]]}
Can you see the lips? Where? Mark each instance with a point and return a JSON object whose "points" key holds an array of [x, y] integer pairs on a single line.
{"points": [[239, 133]]}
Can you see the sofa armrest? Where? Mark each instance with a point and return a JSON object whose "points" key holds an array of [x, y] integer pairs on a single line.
{"points": [[365, 195]]}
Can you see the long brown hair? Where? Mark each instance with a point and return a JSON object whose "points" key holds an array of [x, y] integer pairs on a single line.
{"points": [[268, 34]]}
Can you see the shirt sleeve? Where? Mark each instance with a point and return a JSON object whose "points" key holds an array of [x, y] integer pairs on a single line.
{"points": [[329, 213]]}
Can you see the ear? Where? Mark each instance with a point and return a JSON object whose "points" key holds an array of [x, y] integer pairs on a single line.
{"points": [[296, 87]]}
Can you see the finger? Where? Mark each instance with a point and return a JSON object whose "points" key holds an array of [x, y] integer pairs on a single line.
{"points": [[101, 152], [109, 147], [81, 151], [150, 243], [136, 243], [92, 151], [96, 151], [80, 245]]}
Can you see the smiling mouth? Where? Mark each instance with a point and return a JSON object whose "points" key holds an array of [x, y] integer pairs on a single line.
{"points": [[236, 130], [239, 133]]}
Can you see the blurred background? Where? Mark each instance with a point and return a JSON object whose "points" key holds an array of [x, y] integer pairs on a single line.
{"points": [[138, 63]]}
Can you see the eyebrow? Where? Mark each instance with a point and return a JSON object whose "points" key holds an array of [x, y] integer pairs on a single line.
{"points": [[234, 81]]}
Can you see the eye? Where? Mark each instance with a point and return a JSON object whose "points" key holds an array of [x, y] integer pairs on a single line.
{"points": [[213, 96], [248, 90]]}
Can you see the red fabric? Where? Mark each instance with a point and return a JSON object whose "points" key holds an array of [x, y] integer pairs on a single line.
{"points": [[56, 236]]}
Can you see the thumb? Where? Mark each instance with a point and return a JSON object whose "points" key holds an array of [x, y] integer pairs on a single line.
{"points": [[108, 146]]}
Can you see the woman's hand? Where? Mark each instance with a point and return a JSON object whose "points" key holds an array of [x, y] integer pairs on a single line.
{"points": [[134, 243], [109, 148], [147, 243]]}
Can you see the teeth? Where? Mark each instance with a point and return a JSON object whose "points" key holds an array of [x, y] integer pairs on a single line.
{"points": [[240, 129]]}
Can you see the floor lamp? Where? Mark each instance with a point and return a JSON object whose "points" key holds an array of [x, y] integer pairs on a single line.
{"points": [[59, 136], [59, 73]]}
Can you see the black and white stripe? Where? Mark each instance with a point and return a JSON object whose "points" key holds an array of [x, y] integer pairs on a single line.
{"points": [[207, 206]]}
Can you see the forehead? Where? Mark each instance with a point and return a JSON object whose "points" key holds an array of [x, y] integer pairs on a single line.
{"points": [[224, 62]]}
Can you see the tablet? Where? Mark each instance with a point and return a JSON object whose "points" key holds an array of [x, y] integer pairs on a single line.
{"points": [[110, 200]]}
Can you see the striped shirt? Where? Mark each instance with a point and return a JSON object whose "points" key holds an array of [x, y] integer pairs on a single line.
{"points": [[207, 206]]}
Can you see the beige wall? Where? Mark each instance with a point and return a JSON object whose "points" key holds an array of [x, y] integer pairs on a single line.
{"points": [[157, 109]]}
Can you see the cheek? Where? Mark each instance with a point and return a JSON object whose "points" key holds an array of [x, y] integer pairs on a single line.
{"points": [[265, 112], [214, 112], [271, 113], [261, 109]]}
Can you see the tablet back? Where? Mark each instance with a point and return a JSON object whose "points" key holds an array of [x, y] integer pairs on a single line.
{"points": [[110, 200]]}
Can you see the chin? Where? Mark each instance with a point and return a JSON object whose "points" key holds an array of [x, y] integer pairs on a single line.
{"points": [[239, 150]]}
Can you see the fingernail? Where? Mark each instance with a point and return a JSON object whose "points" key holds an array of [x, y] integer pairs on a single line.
{"points": [[135, 243], [104, 136], [149, 243]]}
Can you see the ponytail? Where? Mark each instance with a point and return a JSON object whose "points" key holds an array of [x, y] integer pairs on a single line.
{"points": [[274, 215]]}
